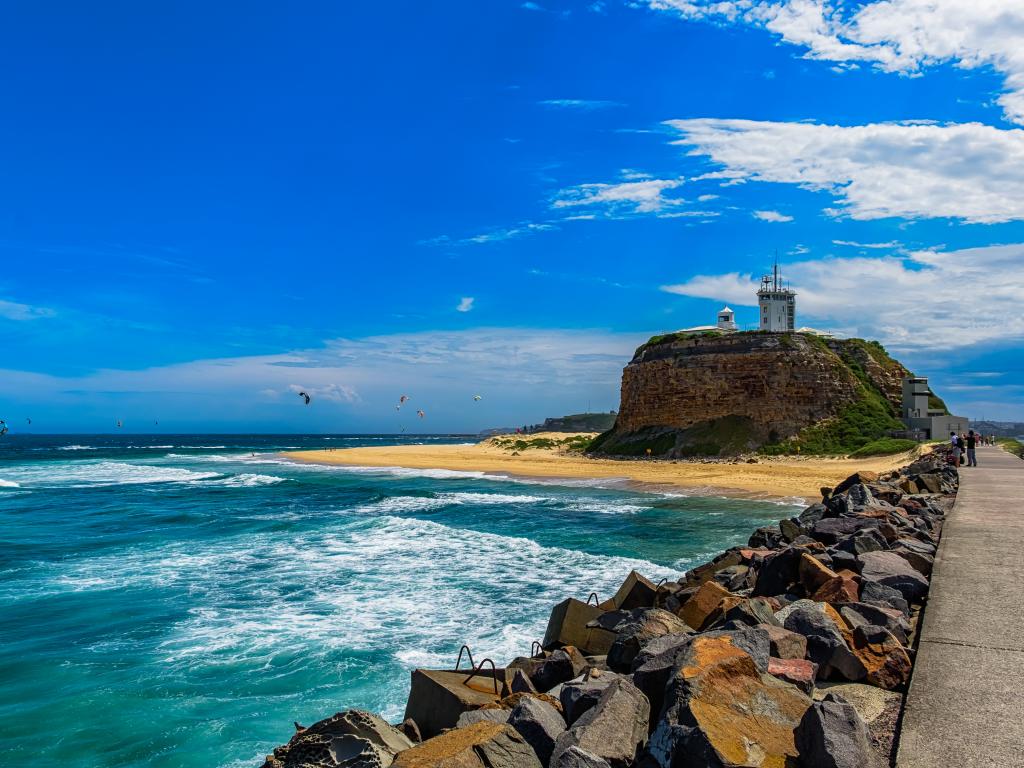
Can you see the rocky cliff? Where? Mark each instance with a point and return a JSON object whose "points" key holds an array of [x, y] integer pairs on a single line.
{"points": [[720, 394]]}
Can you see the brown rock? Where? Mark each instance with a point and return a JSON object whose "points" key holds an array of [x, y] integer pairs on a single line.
{"points": [[481, 745], [886, 661], [785, 644], [799, 672], [838, 589], [697, 609], [813, 573], [720, 706]]}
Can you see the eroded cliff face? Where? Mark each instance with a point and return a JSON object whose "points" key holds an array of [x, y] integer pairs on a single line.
{"points": [[710, 395]]}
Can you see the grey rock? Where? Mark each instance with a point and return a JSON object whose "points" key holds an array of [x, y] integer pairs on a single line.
{"points": [[832, 735], [482, 716], [645, 625], [574, 757], [350, 739], [539, 724], [751, 612], [875, 593], [581, 694], [653, 667], [614, 729], [865, 614], [892, 570], [790, 529], [812, 514]]}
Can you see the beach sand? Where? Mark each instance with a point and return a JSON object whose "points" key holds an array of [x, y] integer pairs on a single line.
{"points": [[770, 477]]}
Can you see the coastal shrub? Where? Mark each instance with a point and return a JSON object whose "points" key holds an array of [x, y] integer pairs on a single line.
{"points": [[860, 423], [1016, 447], [884, 447]]}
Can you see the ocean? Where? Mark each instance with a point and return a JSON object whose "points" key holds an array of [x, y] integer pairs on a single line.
{"points": [[179, 600]]}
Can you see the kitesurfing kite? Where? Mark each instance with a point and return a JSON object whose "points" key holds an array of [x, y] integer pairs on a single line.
{"points": [[477, 398], [29, 420], [421, 414], [118, 423], [3, 427], [305, 396], [402, 399]]}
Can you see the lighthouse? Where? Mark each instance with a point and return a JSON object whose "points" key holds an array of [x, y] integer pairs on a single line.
{"points": [[777, 303]]}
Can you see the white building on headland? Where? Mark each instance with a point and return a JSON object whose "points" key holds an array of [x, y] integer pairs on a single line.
{"points": [[777, 303]]}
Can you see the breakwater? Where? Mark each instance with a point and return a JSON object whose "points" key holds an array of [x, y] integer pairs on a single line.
{"points": [[792, 650]]}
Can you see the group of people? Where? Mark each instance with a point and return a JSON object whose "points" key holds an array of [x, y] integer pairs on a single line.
{"points": [[964, 447]]}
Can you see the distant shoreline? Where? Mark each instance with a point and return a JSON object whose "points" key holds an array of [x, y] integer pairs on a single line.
{"points": [[770, 478]]}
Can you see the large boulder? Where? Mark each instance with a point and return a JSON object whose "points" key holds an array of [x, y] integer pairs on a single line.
{"points": [[813, 573], [646, 624], [353, 739], [481, 745], [557, 667], [832, 735], [704, 603], [827, 643], [885, 659], [583, 693], [539, 724], [778, 573], [875, 593], [720, 710], [890, 569], [613, 730], [783, 643], [862, 614]]}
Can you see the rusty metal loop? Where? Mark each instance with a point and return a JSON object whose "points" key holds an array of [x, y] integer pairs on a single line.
{"points": [[593, 595], [468, 653], [479, 668]]}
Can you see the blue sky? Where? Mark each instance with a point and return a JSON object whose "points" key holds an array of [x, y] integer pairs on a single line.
{"points": [[206, 208]]}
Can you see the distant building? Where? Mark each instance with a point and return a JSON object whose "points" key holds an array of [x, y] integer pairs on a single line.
{"points": [[726, 323], [919, 416], [777, 303]]}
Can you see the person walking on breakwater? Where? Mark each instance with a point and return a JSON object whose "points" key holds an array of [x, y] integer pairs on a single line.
{"points": [[972, 443], [955, 442]]}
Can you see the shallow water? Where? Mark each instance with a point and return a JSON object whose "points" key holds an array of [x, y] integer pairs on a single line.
{"points": [[176, 600]]}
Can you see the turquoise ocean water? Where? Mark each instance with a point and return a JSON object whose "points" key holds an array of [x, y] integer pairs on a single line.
{"points": [[179, 600]]}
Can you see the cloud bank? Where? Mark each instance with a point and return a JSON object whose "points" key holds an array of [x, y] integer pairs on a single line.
{"points": [[930, 300], [902, 36]]}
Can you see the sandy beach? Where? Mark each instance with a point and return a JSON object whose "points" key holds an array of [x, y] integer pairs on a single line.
{"points": [[770, 477]]}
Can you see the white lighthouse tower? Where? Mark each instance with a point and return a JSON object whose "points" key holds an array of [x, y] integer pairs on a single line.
{"points": [[777, 303]]}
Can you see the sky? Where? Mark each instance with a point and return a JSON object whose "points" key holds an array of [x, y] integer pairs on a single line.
{"points": [[206, 208]]}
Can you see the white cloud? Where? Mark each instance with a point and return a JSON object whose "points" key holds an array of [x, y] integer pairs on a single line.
{"points": [[904, 36], [12, 310], [964, 171], [525, 374], [644, 196], [586, 104], [493, 236], [465, 304], [938, 300], [891, 245], [773, 216], [338, 393]]}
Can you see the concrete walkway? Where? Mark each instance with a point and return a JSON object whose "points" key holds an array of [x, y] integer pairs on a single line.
{"points": [[966, 701]]}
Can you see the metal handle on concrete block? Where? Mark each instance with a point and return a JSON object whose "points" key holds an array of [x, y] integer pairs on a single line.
{"points": [[468, 653], [536, 649], [593, 595], [479, 668]]}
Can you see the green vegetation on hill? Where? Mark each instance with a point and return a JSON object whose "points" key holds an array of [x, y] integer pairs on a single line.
{"points": [[1014, 446], [884, 447], [867, 420], [578, 443]]}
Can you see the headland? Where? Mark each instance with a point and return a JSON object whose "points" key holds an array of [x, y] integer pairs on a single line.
{"points": [[754, 477]]}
